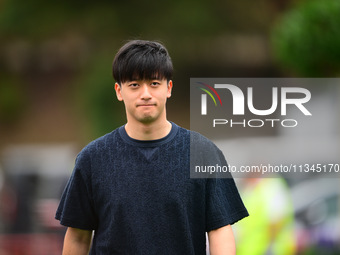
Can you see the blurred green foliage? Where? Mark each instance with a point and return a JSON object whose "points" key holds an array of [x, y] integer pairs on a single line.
{"points": [[130, 18], [307, 38], [76, 41], [12, 100], [38, 19], [97, 98]]}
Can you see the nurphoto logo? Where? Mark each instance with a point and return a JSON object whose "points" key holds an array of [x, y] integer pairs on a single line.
{"points": [[267, 127], [280, 99]]}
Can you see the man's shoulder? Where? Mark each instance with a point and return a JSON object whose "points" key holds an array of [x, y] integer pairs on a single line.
{"points": [[101, 143], [196, 140]]}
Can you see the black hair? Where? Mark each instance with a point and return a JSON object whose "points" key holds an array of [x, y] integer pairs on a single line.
{"points": [[142, 60]]}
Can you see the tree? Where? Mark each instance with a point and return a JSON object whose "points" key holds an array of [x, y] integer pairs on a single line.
{"points": [[307, 38]]}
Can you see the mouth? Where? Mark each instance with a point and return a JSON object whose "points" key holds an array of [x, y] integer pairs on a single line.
{"points": [[145, 105]]}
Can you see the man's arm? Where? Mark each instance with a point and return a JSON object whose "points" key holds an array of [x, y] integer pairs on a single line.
{"points": [[77, 241], [221, 241]]}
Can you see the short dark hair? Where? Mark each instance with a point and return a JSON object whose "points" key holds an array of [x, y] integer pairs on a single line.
{"points": [[142, 60]]}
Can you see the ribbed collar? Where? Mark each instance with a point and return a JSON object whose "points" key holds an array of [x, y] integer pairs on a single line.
{"points": [[148, 143]]}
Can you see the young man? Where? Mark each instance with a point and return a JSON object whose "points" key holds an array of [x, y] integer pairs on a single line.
{"points": [[132, 187]]}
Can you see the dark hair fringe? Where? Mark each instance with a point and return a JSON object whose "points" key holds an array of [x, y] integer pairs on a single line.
{"points": [[142, 60]]}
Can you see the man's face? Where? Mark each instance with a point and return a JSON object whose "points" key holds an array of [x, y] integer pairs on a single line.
{"points": [[144, 99]]}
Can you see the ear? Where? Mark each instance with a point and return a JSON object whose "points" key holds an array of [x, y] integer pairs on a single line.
{"points": [[118, 90], [169, 89]]}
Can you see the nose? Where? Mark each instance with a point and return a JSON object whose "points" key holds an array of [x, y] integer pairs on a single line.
{"points": [[145, 95]]}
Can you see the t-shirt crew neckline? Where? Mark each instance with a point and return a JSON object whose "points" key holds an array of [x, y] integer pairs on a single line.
{"points": [[148, 143]]}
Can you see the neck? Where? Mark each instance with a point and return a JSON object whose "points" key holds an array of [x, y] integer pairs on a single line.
{"points": [[148, 131]]}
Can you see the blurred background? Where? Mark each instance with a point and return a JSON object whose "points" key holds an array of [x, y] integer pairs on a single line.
{"points": [[57, 94]]}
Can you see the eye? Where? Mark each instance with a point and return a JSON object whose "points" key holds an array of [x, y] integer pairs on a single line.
{"points": [[155, 83], [133, 85]]}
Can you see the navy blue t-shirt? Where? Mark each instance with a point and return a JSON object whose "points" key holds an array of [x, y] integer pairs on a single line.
{"points": [[138, 197]]}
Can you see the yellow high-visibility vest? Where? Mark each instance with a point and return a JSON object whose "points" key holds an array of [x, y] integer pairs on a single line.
{"points": [[270, 227]]}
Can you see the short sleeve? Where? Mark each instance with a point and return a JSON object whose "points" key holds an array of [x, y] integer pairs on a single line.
{"points": [[224, 205], [76, 208]]}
